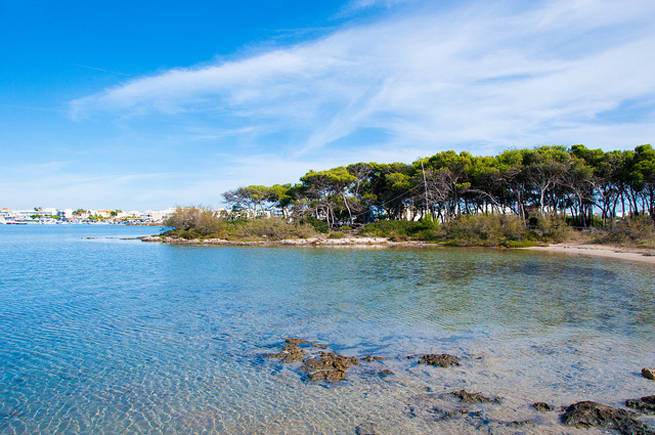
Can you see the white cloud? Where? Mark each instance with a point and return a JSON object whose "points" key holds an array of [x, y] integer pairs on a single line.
{"points": [[478, 74], [476, 77], [356, 5]]}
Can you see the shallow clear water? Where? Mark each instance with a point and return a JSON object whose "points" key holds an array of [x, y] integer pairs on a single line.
{"points": [[109, 335]]}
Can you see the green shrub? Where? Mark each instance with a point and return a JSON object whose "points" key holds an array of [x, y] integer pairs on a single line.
{"points": [[401, 228], [336, 235], [520, 243], [485, 230], [197, 223], [551, 228], [429, 235], [273, 228], [396, 237], [202, 220], [319, 225]]}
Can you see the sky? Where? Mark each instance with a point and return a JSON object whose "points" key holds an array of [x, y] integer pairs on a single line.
{"points": [[153, 104]]}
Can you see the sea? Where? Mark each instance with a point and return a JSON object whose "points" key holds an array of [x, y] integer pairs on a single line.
{"points": [[103, 333]]}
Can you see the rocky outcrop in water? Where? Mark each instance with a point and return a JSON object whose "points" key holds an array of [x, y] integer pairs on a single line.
{"points": [[648, 373], [328, 366], [645, 405], [291, 353], [320, 365], [300, 342], [296, 341], [474, 411], [369, 358], [593, 414], [439, 360]]}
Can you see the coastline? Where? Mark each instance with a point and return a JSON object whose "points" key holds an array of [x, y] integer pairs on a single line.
{"points": [[346, 242], [594, 250]]}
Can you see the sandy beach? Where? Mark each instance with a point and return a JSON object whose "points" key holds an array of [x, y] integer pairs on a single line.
{"points": [[614, 252]]}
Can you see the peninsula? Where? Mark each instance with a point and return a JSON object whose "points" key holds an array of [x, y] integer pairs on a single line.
{"points": [[579, 200]]}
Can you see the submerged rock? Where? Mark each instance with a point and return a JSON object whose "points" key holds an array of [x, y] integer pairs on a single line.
{"points": [[644, 405], [593, 414], [648, 373], [296, 341], [300, 342], [365, 429], [369, 358], [542, 406], [328, 366], [445, 414], [467, 397], [439, 360], [291, 353]]}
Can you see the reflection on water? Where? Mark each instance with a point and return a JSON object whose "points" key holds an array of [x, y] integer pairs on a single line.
{"points": [[112, 335]]}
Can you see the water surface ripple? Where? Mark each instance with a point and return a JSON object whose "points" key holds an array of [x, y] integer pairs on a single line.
{"points": [[101, 334]]}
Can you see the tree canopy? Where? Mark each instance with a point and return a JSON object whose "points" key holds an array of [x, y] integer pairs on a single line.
{"points": [[549, 180]]}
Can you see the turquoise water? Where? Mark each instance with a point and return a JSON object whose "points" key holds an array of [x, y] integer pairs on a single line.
{"points": [[102, 334]]}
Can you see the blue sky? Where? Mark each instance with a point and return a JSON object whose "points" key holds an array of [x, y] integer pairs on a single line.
{"points": [[155, 104]]}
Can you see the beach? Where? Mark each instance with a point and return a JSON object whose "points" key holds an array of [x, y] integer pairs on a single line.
{"points": [[605, 251]]}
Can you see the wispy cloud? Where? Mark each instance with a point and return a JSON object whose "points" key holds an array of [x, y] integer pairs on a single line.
{"points": [[357, 5], [476, 77], [477, 74]]}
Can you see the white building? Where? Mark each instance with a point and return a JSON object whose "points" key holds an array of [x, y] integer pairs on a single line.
{"points": [[66, 213], [158, 215]]}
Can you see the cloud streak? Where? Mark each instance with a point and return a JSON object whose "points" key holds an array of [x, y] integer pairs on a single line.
{"points": [[482, 75], [471, 77]]}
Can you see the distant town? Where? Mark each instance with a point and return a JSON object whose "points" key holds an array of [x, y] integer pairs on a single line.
{"points": [[53, 216], [50, 216]]}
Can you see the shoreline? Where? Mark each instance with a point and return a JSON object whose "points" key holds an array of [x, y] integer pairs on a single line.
{"points": [[576, 249], [595, 250], [313, 242]]}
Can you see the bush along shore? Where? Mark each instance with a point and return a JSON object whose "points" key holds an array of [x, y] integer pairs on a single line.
{"points": [[194, 225], [201, 226]]}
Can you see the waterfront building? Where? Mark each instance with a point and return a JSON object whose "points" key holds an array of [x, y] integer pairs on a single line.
{"points": [[66, 213]]}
